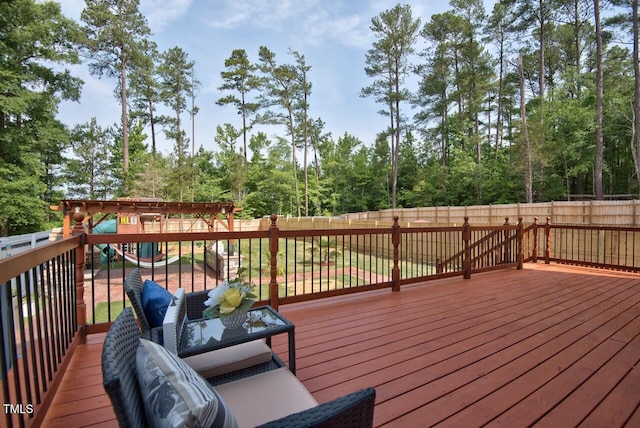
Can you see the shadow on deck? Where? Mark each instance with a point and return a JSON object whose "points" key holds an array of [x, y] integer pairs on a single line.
{"points": [[546, 345]]}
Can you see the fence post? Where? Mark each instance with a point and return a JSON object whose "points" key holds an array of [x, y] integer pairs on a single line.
{"points": [[395, 240], [534, 251], [466, 240], [520, 247], [274, 237], [81, 307], [547, 238]]}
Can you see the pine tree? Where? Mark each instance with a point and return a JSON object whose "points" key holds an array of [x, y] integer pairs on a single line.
{"points": [[177, 87], [114, 35], [388, 63], [240, 78]]}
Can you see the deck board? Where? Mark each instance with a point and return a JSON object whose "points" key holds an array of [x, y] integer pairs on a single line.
{"points": [[546, 345]]}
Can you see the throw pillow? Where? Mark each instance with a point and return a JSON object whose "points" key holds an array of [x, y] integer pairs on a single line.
{"points": [[155, 301], [175, 395]]}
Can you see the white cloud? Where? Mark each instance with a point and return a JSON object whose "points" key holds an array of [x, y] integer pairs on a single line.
{"points": [[160, 13], [265, 14], [349, 30]]}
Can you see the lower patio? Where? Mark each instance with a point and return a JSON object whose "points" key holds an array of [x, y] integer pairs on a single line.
{"points": [[545, 345]]}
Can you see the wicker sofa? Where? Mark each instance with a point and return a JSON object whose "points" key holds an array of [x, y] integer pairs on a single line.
{"points": [[274, 398]]}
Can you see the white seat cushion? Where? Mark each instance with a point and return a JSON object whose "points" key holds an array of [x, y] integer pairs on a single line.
{"points": [[272, 395], [226, 360]]}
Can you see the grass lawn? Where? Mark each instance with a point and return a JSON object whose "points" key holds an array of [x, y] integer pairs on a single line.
{"points": [[101, 314]]}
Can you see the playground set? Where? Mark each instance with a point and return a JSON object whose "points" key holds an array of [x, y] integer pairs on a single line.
{"points": [[141, 215]]}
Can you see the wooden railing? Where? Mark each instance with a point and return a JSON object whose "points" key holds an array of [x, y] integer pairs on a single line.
{"points": [[607, 247], [38, 327], [51, 298]]}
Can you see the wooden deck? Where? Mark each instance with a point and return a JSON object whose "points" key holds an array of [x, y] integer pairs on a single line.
{"points": [[545, 346]]}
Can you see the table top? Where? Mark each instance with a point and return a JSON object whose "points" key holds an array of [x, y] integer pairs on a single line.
{"points": [[204, 335]]}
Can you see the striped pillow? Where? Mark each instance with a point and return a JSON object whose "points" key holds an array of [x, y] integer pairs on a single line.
{"points": [[174, 394]]}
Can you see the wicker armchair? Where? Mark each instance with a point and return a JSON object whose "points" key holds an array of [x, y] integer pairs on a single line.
{"points": [[121, 384], [133, 286], [119, 375]]}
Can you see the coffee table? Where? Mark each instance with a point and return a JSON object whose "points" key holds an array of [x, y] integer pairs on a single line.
{"points": [[263, 322]]}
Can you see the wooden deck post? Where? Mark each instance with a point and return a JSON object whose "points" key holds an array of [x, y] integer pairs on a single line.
{"points": [[547, 239], [534, 252], [506, 243], [395, 240], [520, 247], [466, 240], [81, 306], [274, 237]]}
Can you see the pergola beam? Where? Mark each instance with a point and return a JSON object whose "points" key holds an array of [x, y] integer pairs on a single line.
{"points": [[92, 207]]}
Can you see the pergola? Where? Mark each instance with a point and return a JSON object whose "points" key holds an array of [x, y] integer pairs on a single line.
{"points": [[209, 212]]}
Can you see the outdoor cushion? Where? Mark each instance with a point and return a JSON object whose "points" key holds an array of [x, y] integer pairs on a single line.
{"points": [[232, 358], [155, 300], [272, 395], [175, 395]]}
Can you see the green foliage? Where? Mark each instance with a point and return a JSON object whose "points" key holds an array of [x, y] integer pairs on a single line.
{"points": [[463, 146], [325, 248], [36, 43], [87, 173]]}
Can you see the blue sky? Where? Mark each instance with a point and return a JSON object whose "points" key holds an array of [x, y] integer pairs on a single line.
{"points": [[333, 35]]}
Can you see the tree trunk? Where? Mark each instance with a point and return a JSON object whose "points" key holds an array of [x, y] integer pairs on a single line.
{"points": [[542, 45], [152, 122], [396, 154], [394, 143], [599, 95], [293, 162], [125, 121], [443, 129], [636, 75], [528, 174], [244, 122], [306, 154], [499, 107]]}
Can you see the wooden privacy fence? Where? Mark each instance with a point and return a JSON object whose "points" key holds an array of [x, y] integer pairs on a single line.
{"points": [[601, 213], [622, 213]]}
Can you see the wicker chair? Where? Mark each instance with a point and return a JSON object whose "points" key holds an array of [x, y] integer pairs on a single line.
{"points": [[133, 286], [119, 375], [121, 384]]}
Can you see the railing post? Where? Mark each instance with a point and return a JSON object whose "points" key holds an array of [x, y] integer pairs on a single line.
{"points": [[534, 252], [506, 243], [81, 307], [520, 247], [274, 237], [466, 240], [395, 240], [547, 238]]}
